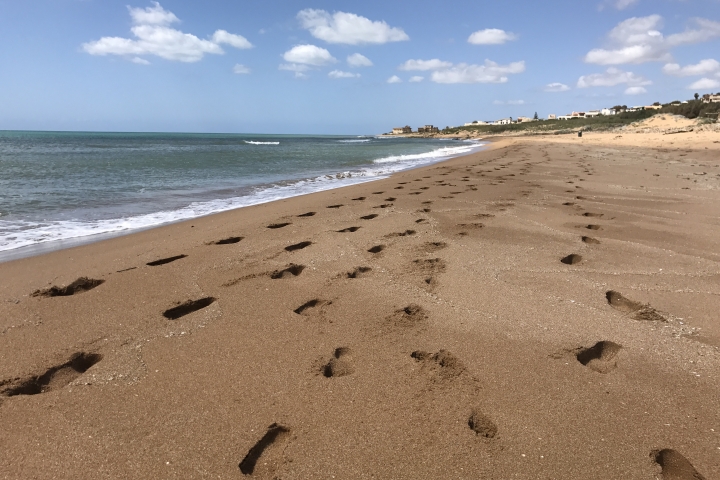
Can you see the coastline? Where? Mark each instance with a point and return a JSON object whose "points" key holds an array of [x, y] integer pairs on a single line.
{"points": [[443, 337]]}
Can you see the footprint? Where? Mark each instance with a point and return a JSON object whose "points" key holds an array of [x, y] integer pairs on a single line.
{"points": [[292, 270], [636, 310], [430, 265], [82, 284], [402, 234], [335, 206], [187, 308], [589, 214], [390, 199], [270, 449], [339, 365], [229, 240], [674, 465], [601, 357], [471, 226], [369, 217], [572, 259], [377, 249], [591, 241], [433, 246], [164, 261], [54, 378], [309, 308], [442, 364], [349, 230], [278, 225], [410, 316], [482, 425], [593, 227], [359, 272], [377, 193], [308, 214], [298, 246], [359, 199], [384, 205], [399, 188], [429, 202]]}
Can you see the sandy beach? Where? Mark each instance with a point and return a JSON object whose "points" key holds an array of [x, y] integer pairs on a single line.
{"points": [[544, 309]]}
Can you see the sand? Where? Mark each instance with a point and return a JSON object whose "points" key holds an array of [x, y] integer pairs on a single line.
{"points": [[543, 309]]}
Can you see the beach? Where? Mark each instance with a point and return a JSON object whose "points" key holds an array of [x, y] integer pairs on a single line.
{"points": [[545, 308]]}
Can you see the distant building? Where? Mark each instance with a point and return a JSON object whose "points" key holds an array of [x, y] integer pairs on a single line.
{"points": [[476, 123], [503, 121], [710, 98], [592, 113], [428, 129], [608, 111], [524, 119], [653, 107], [552, 116], [577, 115], [565, 117], [401, 130]]}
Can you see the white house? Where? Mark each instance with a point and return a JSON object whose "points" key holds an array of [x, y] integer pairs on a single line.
{"points": [[592, 113], [476, 123], [608, 111], [504, 121]]}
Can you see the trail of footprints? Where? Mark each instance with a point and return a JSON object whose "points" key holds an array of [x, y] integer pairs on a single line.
{"points": [[264, 458]]}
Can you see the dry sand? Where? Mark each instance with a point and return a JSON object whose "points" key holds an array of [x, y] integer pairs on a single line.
{"points": [[546, 309]]}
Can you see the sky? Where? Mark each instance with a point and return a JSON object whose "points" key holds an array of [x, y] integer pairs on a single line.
{"points": [[339, 67]]}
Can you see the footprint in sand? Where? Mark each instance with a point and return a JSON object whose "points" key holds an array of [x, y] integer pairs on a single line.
{"points": [[406, 233], [601, 357], [339, 365], [410, 316], [292, 270], [377, 249], [227, 241], [359, 272], [53, 378], [270, 449], [275, 226], [359, 199], [335, 206], [482, 425], [593, 227], [187, 308], [164, 261], [82, 284], [443, 365], [674, 465], [313, 307], [308, 214], [298, 246], [572, 259], [636, 310], [369, 217], [590, 241], [349, 230]]}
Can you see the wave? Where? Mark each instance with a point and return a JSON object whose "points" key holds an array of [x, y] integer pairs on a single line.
{"points": [[261, 143], [21, 233], [354, 141]]}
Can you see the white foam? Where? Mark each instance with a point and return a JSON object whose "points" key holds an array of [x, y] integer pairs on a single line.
{"points": [[261, 143], [354, 141], [17, 233]]}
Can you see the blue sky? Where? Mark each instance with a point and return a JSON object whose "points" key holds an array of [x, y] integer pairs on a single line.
{"points": [[342, 67]]}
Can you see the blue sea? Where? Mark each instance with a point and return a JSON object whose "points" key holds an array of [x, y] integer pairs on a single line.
{"points": [[62, 188]]}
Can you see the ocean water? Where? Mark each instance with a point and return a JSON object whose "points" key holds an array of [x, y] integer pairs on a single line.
{"points": [[60, 187]]}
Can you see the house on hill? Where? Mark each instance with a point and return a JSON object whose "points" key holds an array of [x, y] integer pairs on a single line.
{"points": [[711, 98], [401, 130], [428, 129]]}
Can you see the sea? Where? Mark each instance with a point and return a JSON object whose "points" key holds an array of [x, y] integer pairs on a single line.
{"points": [[60, 189]]}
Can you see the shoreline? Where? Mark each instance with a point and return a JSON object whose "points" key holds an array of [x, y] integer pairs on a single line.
{"points": [[64, 243], [538, 309]]}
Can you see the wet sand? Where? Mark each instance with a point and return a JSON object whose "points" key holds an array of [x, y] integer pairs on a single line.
{"points": [[543, 309]]}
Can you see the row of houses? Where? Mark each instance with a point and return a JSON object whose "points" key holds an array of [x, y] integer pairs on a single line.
{"points": [[408, 129]]}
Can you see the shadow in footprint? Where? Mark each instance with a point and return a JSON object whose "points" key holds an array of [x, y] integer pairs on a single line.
{"points": [[292, 270], [335, 206], [359, 199], [278, 225], [369, 217], [377, 249], [339, 365], [593, 227], [275, 436], [572, 259], [384, 205], [390, 199], [228, 241], [359, 272], [308, 214], [482, 425], [82, 284], [674, 465], [409, 316], [402, 234], [307, 308], [187, 308], [349, 230], [443, 364], [598, 215], [591, 241], [164, 261], [601, 357], [55, 377], [297, 246]]}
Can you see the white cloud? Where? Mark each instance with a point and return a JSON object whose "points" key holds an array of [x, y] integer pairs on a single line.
{"points": [[509, 102], [348, 28], [611, 78], [623, 4], [358, 60], [704, 67], [297, 69], [240, 69], [491, 36], [705, 84], [154, 37], [422, 65], [341, 74], [416, 79], [556, 87], [152, 15], [237, 41], [639, 40], [139, 61], [489, 72], [394, 79], [309, 55], [635, 91]]}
